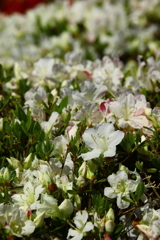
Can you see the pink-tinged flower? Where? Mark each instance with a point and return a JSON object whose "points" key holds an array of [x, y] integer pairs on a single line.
{"points": [[106, 237], [104, 109], [150, 224], [129, 111], [101, 139]]}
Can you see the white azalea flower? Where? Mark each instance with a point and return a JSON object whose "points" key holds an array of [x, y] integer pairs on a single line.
{"points": [[100, 139], [39, 94], [150, 224], [29, 196], [89, 92], [43, 68], [89, 112], [129, 111], [121, 186], [15, 220], [49, 206], [82, 226]]}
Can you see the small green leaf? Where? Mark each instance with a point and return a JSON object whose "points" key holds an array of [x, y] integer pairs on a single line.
{"points": [[139, 165], [72, 192], [126, 199], [139, 190], [63, 104], [128, 142], [152, 170], [102, 180], [6, 194]]}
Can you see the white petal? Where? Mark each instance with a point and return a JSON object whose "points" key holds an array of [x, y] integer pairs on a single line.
{"points": [[121, 203], [105, 128], [84, 216], [110, 152], [122, 175], [53, 118], [78, 220], [109, 192], [113, 179], [116, 138], [28, 187], [90, 155], [89, 226], [88, 139], [28, 228]]}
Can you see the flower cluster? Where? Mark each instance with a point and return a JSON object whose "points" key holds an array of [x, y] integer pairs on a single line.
{"points": [[96, 28]]}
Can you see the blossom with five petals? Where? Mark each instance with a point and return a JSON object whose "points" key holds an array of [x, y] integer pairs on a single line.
{"points": [[82, 226], [101, 139]]}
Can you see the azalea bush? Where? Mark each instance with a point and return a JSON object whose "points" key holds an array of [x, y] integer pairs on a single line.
{"points": [[80, 150], [79, 135]]}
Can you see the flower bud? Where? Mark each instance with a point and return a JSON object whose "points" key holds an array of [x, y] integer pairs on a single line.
{"points": [[81, 181], [38, 221], [66, 208], [110, 215], [14, 163], [123, 168], [99, 222], [54, 92], [147, 111], [6, 175], [1, 124], [83, 170], [71, 131], [77, 201], [92, 168], [28, 161], [109, 226]]}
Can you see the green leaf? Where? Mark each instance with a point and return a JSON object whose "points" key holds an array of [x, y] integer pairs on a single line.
{"points": [[126, 199], [50, 98], [155, 161], [7, 127], [6, 195], [1, 73], [7, 79], [72, 192], [139, 190], [102, 180], [118, 228], [152, 170], [139, 165], [20, 114], [128, 142], [63, 104], [1, 198]]}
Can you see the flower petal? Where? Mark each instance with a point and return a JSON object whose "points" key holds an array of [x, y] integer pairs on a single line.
{"points": [[116, 138], [88, 227], [28, 228], [90, 155], [121, 203], [109, 192]]}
